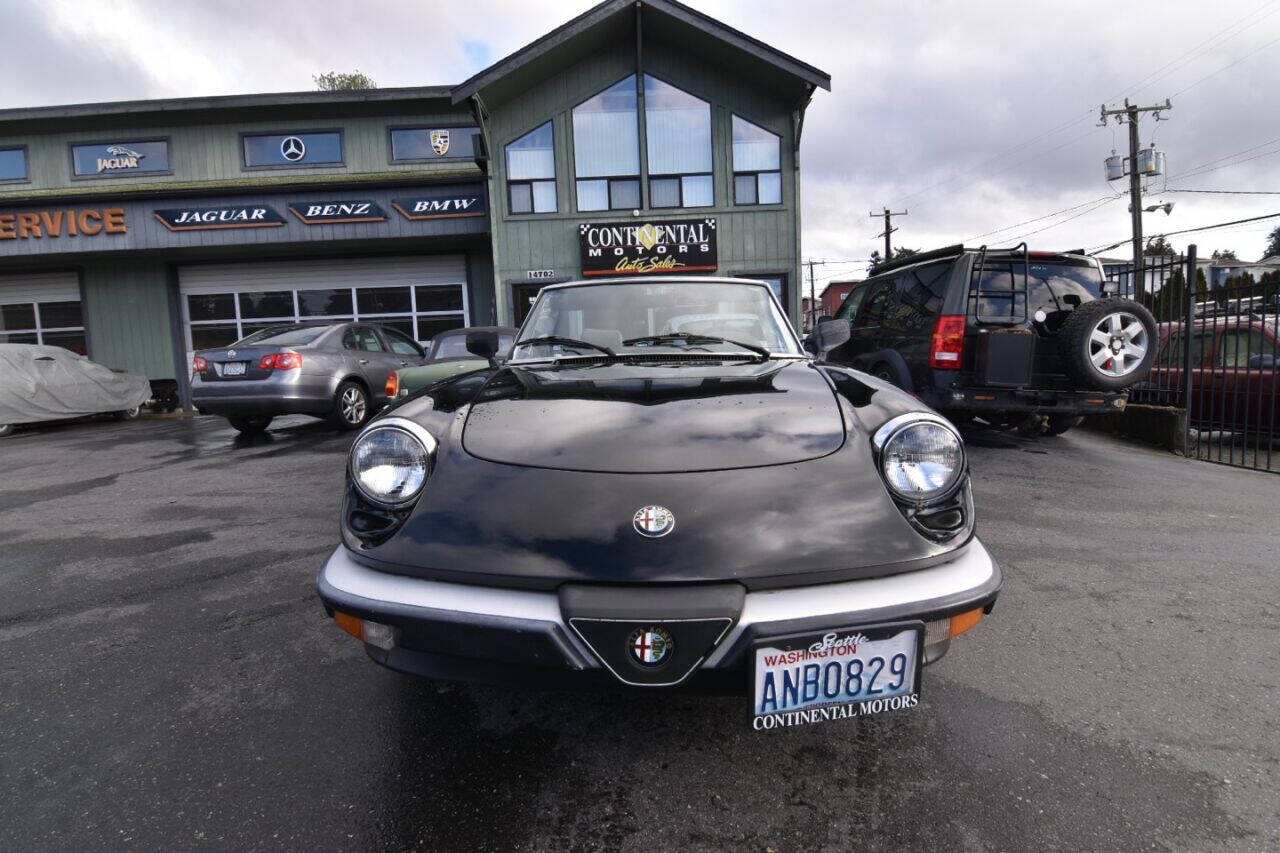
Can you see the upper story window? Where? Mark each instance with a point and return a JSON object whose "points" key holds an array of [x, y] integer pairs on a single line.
{"points": [[757, 164], [531, 172], [117, 159], [322, 148], [424, 144], [606, 149], [678, 131], [13, 164]]}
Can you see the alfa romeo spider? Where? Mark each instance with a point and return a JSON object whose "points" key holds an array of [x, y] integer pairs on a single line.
{"points": [[658, 488]]}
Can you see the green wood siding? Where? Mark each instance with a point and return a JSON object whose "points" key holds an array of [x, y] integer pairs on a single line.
{"points": [[126, 310], [752, 239], [213, 153]]}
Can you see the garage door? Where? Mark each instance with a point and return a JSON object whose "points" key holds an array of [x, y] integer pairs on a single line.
{"points": [[42, 308], [420, 296]]}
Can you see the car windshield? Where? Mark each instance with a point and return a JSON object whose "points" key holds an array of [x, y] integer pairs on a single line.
{"points": [[455, 346], [284, 336], [719, 317]]}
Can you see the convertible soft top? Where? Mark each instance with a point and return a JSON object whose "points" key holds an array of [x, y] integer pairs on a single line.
{"points": [[43, 383]]}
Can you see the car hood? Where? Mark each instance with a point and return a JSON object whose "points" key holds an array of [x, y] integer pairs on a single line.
{"points": [[644, 419]]}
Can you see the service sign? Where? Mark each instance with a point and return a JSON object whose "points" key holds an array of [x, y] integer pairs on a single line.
{"points": [[335, 212], [623, 248], [208, 218]]}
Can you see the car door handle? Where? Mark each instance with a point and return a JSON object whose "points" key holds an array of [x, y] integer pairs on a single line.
{"points": [[404, 364], [364, 361]]}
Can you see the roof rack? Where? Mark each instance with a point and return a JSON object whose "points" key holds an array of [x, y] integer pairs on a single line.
{"points": [[944, 252]]}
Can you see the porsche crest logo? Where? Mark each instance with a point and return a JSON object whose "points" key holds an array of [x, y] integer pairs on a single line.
{"points": [[440, 142]]}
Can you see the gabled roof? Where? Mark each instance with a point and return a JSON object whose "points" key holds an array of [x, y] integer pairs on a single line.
{"points": [[180, 110], [618, 14]]}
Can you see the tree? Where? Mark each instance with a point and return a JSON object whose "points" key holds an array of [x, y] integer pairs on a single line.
{"points": [[1273, 247], [1224, 255], [1158, 245], [900, 252], [339, 81]]}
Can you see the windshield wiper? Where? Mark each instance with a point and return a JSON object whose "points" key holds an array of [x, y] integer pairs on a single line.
{"points": [[671, 337], [566, 342]]}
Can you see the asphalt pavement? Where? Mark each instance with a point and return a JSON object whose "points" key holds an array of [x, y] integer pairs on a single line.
{"points": [[168, 679]]}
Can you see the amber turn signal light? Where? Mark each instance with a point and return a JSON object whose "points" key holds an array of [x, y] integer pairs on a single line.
{"points": [[350, 624], [962, 622]]}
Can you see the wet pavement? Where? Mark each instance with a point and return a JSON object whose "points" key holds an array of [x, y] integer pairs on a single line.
{"points": [[168, 679]]}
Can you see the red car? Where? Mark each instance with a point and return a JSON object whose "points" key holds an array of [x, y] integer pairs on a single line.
{"points": [[1235, 362]]}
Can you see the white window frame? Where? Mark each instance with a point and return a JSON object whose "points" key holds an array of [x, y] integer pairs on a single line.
{"points": [[355, 316], [39, 329]]}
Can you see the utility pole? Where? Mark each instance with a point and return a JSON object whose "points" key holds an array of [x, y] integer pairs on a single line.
{"points": [[888, 229], [813, 300], [1129, 113]]}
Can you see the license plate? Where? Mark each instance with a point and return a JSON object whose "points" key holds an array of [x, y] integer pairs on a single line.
{"points": [[837, 674], [234, 368]]}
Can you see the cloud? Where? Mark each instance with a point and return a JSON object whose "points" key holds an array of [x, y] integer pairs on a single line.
{"points": [[970, 116]]}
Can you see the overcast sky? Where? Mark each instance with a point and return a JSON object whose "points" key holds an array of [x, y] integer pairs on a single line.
{"points": [[971, 116]]}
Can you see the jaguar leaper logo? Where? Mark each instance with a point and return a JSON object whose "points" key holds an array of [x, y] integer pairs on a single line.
{"points": [[122, 157], [440, 142]]}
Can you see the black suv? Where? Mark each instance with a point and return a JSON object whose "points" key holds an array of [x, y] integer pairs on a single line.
{"points": [[1013, 336]]}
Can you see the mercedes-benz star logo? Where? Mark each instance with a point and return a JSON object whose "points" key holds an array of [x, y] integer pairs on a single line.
{"points": [[292, 149], [653, 521], [651, 646]]}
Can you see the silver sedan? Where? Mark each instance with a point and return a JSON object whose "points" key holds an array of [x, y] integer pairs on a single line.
{"points": [[338, 371]]}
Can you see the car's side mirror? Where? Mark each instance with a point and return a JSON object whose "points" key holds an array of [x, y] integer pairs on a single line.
{"points": [[830, 334], [483, 344], [1267, 360], [824, 318]]}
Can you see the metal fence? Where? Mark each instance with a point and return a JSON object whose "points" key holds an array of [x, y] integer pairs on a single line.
{"points": [[1218, 357]]}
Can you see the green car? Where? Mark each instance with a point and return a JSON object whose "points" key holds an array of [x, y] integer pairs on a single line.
{"points": [[447, 356]]}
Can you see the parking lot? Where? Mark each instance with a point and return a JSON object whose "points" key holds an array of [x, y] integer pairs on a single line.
{"points": [[168, 678]]}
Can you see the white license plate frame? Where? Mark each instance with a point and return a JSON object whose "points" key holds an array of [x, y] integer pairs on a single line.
{"points": [[791, 658]]}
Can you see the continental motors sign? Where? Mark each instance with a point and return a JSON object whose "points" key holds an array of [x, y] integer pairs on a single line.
{"points": [[616, 248]]}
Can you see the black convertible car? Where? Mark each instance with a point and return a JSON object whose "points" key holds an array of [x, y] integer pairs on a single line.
{"points": [[660, 488]]}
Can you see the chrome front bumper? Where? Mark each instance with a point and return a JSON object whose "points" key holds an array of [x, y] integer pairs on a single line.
{"points": [[464, 632]]}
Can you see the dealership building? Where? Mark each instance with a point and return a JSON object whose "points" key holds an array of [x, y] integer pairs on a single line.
{"points": [[640, 138]]}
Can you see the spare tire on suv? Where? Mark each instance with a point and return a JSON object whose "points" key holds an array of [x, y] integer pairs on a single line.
{"points": [[1108, 344]]}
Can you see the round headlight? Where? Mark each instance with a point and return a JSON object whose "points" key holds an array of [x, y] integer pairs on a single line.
{"points": [[390, 465], [922, 460]]}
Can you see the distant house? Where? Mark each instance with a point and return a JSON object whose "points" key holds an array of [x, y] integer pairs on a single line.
{"points": [[1159, 269], [832, 296]]}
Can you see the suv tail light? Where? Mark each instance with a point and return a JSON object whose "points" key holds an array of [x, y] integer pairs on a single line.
{"points": [[393, 385], [199, 364], [947, 351], [281, 361]]}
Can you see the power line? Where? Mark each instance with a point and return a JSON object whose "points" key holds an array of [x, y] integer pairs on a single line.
{"points": [[1228, 192], [1038, 218], [1195, 169], [1104, 203], [1187, 57], [1181, 61], [1225, 67], [1193, 230], [1185, 175]]}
